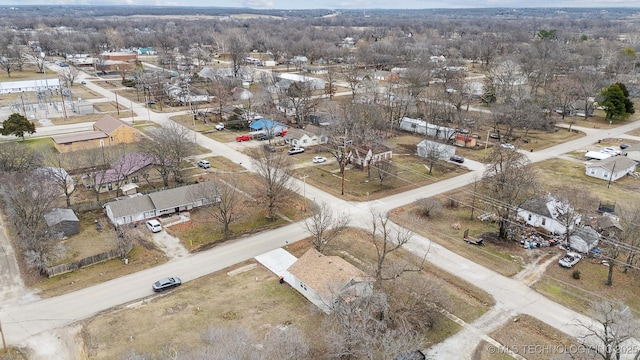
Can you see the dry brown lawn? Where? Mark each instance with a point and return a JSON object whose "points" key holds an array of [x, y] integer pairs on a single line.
{"points": [[254, 300], [530, 338]]}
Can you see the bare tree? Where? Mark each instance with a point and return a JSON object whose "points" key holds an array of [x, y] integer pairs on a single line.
{"points": [[70, 74], [571, 204], [238, 47], [59, 166], [286, 343], [324, 225], [275, 176], [228, 203], [388, 238], [222, 343], [611, 325], [429, 206], [18, 157], [169, 145], [508, 181], [384, 169], [630, 236]]}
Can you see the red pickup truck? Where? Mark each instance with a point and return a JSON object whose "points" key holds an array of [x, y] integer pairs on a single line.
{"points": [[243, 138]]}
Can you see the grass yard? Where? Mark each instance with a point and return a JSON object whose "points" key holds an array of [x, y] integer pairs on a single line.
{"points": [[254, 300], [559, 285], [447, 229], [555, 173]]}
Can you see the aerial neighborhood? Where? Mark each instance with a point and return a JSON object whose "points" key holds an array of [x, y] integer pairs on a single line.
{"points": [[238, 183]]}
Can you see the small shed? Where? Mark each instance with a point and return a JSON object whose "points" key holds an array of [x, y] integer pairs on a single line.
{"points": [[82, 107], [584, 239], [467, 141], [63, 221]]}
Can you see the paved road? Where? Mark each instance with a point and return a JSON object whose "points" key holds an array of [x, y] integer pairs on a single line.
{"points": [[22, 321]]}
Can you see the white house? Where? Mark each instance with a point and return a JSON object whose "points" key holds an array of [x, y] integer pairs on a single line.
{"points": [[584, 239], [418, 126], [435, 149], [8, 87], [313, 82], [141, 207], [545, 212], [611, 169], [310, 136], [326, 280], [365, 155]]}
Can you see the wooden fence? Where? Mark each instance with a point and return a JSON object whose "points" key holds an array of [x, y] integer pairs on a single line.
{"points": [[93, 259]]}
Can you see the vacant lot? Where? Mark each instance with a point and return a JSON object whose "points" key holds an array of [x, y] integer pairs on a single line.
{"points": [[253, 300], [530, 338], [447, 226]]}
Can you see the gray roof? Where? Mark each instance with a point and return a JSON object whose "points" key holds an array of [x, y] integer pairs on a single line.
{"points": [[160, 200], [537, 206], [133, 205], [613, 163], [57, 216], [172, 198], [587, 234], [109, 124]]}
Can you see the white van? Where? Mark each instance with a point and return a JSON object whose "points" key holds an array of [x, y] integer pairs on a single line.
{"points": [[154, 226]]}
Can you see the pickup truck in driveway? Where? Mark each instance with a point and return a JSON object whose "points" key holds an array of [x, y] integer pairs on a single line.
{"points": [[243, 138]]}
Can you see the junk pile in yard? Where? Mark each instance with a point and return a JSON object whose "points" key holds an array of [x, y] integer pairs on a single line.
{"points": [[530, 239]]}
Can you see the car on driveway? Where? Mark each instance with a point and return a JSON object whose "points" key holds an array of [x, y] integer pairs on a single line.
{"points": [[154, 225], [508, 146], [243, 138], [611, 151], [220, 126], [204, 164], [624, 146], [264, 137], [319, 159], [295, 151], [570, 259], [456, 158], [166, 284]]}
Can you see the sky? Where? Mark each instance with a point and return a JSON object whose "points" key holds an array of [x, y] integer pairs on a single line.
{"points": [[341, 4]]}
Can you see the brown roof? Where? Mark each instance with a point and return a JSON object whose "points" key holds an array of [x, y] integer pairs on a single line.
{"points": [[82, 136], [327, 275], [108, 124]]}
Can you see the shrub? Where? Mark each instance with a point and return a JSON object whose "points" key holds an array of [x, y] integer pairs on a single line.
{"points": [[576, 274]]}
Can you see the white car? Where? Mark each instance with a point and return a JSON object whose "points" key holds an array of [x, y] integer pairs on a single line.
{"points": [[154, 226], [611, 151], [570, 259], [319, 159], [508, 146], [204, 164], [220, 126], [295, 151]]}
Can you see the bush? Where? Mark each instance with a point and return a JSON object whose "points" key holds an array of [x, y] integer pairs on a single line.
{"points": [[576, 274]]}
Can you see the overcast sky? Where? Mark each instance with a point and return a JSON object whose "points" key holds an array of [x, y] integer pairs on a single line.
{"points": [[342, 4]]}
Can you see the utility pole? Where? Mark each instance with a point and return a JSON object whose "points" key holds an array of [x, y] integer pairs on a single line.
{"points": [[4, 343], [611, 175]]}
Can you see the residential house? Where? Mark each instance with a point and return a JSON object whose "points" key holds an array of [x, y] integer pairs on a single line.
{"points": [[387, 76], [140, 207], [326, 280], [546, 213], [108, 131], [466, 141], [365, 155], [584, 239], [317, 70], [62, 221], [611, 169], [132, 168], [632, 153], [310, 136], [267, 126], [428, 148], [608, 225], [313, 82], [418, 126]]}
